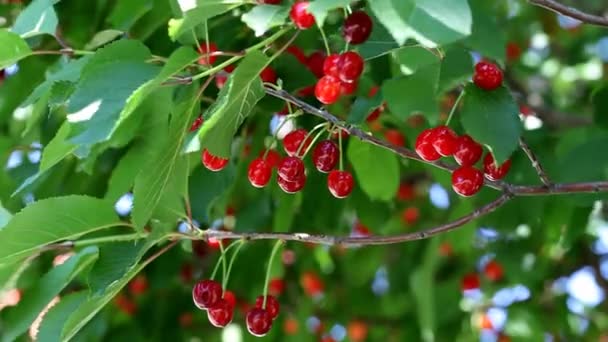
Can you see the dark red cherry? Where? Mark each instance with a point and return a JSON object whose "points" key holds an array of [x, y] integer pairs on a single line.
{"points": [[340, 183], [357, 27], [444, 140], [258, 321], [470, 282], [487, 75], [268, 75], [492, 171], [327, 89], [467, 181], [291, 169], [292, 187], [300, 16], [206, 293], [259, 173], [293, 140], [202, 49], [394, 137], [424, 146], [272, 305], [213, 163], [351, 66], [270, 2], [220, 315], [325, 155], [468, 151]]}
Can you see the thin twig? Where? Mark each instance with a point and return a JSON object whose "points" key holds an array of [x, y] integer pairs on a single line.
{"points": [[535, 163], [571, 12]]}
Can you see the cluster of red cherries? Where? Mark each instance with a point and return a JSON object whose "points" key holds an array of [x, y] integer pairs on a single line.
{"points": [[208, 295], [441, 141]]}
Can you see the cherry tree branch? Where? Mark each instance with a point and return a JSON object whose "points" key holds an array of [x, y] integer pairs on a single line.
{"points": [[571, 12], [535, 163]]}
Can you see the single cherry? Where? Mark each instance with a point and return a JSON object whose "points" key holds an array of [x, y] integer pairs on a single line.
{"points": [[394, 137], [315, 63], [311, 283], [220, 315], [327, 89], [196, 124], [139, 285], [276, 286], [357, 27], [348, 88], [300, 15], [325, 155], [513, 51], [259, 322], [351, 66], [467, 181], [293, 140], [493, 270], [230, 298], [273, 158], [297, 53], [487, 76], [268, 75], [213, 163], [292, 187], [272, 305], [357, 331], [406, 192], [468, 151], [424, 146], [444, 140], [410, 215], [470, 282], [331, 65], [206, 293], [291, 169], [259, 173], [270, 2], [492, 171], [202, 49], [340, 183]]}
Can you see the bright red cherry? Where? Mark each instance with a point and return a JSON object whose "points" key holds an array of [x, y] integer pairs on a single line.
{"points": [[340, 183], [470, 282], [331, 65], [325, 155], [493, 270], [300, 15], [467, 181], [357, 27], [206, 293], [311, 283], [297, 53], [394, 137], [492, 171], [487, 76], [259, 173], [410, 215], [139, 285], [291, 168], [293, 140], [273, 158], [351, 66], [272, 305], [196, 124], [202, 49], [230, 298], [444, 140], [292, 187], [213, 163], [276, 286], [220, 315], [268, 75], [315, 63], [259, 322], [424, 146], [468, 151], [348, 88], [327, 89]]}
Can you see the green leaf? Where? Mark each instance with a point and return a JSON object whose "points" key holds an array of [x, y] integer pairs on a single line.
{"points": [[319, 8], [236, 100], [415, 58], [214, 183], [600, 105], [414, 94], [363, 107], [102, 38], [115, 260], [431, 22], [14, 48], [377, 169], [262, 18], [49, 286], [491, 118], [37, 18], [202, 12], [379, 43], [52, 220], [70, 72], [456, 68], [5, 216], [126, 13], [93, 110], [55, 318], [487, 36], [422, 283]]}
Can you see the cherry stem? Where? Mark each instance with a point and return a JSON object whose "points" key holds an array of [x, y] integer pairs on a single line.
{"points": [[276, 132], [220, 260], [325, 42], [240, 244], [312, 143], [275, 249], [303, 143], [453, 110]]}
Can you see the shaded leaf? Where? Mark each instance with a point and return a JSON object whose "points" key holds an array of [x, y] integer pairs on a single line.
{"points": [[115, 260], [55, 318], [37, 18], [203, 11], [17, 48], [320, 8], [261, 18], [376, 169]]}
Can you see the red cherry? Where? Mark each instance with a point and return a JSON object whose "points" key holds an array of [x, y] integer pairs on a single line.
{"points": [[315, 63], [186, 273], [293, 140], [492, 171], [230, 298], [348, 88], [297, 53], [139, 285], [340, 183], [270, 2], [394, 137], [327, 89], [222, 76], [220, 315], [272, 305], [276, 286], [126, 305], [513, 51], [325, 155], [467, 181], [493, 270], [444, 140], [291, 169], [357, 27], [487, 76], [268, 75], [406, 192], [213, 163], [259, 322], [351, 66], [410, 215], [311, 283], [202, 49], [292, 187], [424, 146], [468, 151], [360, 229], [357, 331], [373, 116], [273, 158], [196, 124], [259, 173], [470, 282], [300, 15], [331, 65], [206, 293]]}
